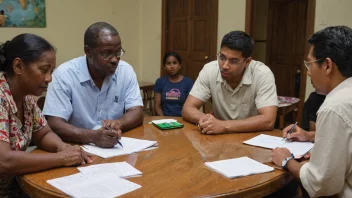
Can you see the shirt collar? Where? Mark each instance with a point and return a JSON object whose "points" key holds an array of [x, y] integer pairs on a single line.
{"points": [[84, 74], [246, 78], [4, 87], [344, 84]]}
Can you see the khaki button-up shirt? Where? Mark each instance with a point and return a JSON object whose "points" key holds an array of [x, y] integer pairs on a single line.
{"points": [[256, 90]]}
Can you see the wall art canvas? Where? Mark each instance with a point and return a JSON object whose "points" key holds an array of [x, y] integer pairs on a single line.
{"points": [[22, 13]]}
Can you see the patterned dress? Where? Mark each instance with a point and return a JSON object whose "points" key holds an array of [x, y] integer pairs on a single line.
{"points": [[15, 133]]}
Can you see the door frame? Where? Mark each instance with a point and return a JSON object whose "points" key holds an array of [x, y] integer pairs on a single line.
{"points": [[214, 37], [250, 9]]}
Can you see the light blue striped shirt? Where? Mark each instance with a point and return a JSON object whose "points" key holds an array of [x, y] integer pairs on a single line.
{"points": [[73, 96]]}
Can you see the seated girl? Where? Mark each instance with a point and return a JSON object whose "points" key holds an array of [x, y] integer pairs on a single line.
{"points": [[171, 91]]}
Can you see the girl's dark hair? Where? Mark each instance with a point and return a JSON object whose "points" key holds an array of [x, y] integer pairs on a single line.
{"points": [[28, 47], [175, 54]]}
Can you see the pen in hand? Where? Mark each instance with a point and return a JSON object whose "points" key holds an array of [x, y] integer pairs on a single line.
{"points": [[109, 128], [290, 131]]}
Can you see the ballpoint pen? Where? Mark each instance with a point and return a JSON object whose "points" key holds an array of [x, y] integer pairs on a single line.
{"points": [[109, 128], [290, 131]]}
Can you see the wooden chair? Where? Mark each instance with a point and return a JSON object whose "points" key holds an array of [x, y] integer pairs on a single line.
{"points": [[148, 97], [286, 106]]}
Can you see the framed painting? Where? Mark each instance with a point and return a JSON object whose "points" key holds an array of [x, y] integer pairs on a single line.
{"points": [[22, 13]]}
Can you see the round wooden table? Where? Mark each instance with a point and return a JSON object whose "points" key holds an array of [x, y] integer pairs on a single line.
{"points": [[176, 168]]}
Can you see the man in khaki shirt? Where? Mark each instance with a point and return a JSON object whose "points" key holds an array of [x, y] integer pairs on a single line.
{"points": [[329, 170], [242, 91]]}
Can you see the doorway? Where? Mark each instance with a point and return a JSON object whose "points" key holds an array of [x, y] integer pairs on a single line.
{"points": [[280, 29], [189, 27]]}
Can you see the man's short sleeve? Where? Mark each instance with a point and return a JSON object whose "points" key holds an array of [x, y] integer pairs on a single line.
{"points": [[158, 87], [201, 88], [58, 98], [133, 94], [266, 91], [325, 173]]}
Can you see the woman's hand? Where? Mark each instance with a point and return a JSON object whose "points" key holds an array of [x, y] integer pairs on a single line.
{"points": [[74, 155]]}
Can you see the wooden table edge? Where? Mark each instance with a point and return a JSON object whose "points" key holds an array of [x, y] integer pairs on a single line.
{"points": [[30, 188], [270, 184]]}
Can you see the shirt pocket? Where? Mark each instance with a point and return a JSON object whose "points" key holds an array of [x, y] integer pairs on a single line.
{"points": [[116, 110]]}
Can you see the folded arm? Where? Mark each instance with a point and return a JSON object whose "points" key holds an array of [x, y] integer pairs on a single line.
{"points": [[190, 110]]}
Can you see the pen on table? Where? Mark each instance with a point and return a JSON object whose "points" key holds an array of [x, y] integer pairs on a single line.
{"points": [[290, 131], [109, 128]]}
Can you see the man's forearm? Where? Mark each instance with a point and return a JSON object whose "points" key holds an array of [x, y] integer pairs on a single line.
{"points": [[192, 114], [132, 118], [70, 133], [255, 123]]}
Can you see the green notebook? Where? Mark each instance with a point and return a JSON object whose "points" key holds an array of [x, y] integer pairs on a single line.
{"points": [[167, 124]]}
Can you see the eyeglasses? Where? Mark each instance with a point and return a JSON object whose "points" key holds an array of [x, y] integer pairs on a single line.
{"points": [[307, 64], [232, 62], [108, 56]]}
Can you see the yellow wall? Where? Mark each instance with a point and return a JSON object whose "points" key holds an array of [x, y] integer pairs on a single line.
{"points": [[67, 21], [231, 16], [330, 13], [150, 37]]}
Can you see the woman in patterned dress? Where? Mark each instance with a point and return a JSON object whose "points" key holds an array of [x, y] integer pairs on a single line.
{"points": [[26, 65]]}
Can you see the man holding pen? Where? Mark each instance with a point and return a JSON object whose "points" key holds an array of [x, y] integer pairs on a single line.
{"points": [[329, 170], [93, 88]]}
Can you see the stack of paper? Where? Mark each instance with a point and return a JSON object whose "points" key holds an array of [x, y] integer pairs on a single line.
{"points": [[267, 141], [163, 121], [119, 169], [100, 180], [93, 185], [238, 167], [130, 145]]}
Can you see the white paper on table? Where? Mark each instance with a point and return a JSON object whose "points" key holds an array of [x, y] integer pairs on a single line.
{"points": [[130, 145], [119, 169], [267, 141], [93, 185], [238, 167], [163, 121]]}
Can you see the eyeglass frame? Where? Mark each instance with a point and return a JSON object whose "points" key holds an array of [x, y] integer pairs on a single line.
{"points": [[307, 64], [236, 64], [110, 56]]}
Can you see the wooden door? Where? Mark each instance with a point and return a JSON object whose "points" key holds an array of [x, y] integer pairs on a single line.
{"points": [[287, 22], [191, 31]]}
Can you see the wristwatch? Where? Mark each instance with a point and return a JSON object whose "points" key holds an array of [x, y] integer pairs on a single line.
{"points": [[284, 162]]}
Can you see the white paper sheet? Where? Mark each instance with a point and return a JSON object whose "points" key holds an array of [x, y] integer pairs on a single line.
{"points": [[267, 141], [163, 121], [93, 185], [130, 145], [119, 169], [238, 167]]}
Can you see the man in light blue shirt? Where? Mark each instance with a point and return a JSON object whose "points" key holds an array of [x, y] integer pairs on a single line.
{"points": [[92, 89]]}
